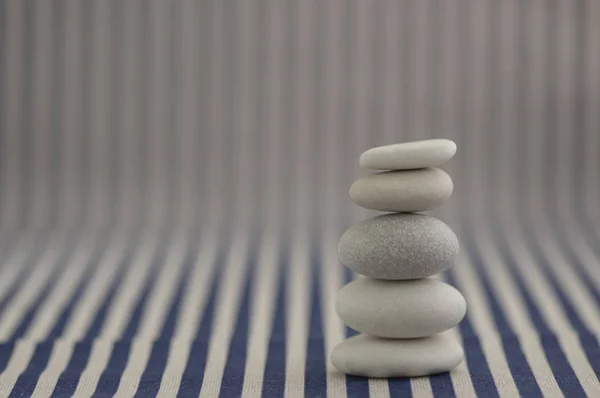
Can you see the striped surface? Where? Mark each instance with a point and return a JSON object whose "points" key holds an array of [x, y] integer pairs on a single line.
{"points": [[174, 176]]}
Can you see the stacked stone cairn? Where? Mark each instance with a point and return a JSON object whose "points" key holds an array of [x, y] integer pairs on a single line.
{"points": [[403, 312]]}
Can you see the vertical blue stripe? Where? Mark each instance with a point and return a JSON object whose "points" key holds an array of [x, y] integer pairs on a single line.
{"points": [[191, 380], [143, 52], [3, 112], [64, 317], [28, 379], [355, 386], [315, 381], [31, 261], [57, 92], [111, 376], [115, 106], [275, 367], [481, 376], [562, 370], [152, 376], [588, 340], [84, 164], [517, 362], [232, 383], [69, 378], [26, 168], [59, 267]]}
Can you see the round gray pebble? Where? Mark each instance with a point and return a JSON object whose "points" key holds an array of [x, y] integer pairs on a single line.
{"points": [[399, 246], [400, 309], [369, 356], [403, 191], [409, 155]]}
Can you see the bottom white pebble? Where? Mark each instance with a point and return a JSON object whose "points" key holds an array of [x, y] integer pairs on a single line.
{"points": [[369, 356]]}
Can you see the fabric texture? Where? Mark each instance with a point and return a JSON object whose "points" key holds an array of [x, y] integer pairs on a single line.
{"points": [[174, 181]]}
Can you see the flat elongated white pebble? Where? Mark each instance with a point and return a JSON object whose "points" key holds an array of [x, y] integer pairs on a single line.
{"points": [[403, 191], [409, 155], [400, 309], [399, 246], [369, 356]]}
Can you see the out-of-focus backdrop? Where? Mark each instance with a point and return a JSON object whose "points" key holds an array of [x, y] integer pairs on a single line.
{"points": [[174, 177]]}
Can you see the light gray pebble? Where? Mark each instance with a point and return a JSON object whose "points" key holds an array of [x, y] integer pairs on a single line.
{"points": [[399, 246], [409, 155], [403, 191], [400, 309], [369, 356]]}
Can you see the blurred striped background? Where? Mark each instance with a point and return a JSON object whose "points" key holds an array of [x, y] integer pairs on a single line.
{"points": [[174, 176]]}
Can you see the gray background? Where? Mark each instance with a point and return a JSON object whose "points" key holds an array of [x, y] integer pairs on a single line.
{"points": [[237, 125], [256, 111]]}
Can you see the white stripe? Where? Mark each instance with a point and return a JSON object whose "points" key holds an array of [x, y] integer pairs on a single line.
{"points": [[188, 79], [592, 100], [197, 293], [119, 311], [276, 49], [132, 286], [549, 307], [158, 107], [62, 290], [421, 387], [261, 318], [96, 291], [192, 309], [227, 306], [333, 328], [420, 94], [153, 316], [86, 308], [99, 112], [61, 353], [331, 277], [513, 307], [305, 18], [99, 357], [30, 289], [479, 313], [297, 303], [217, 148], [449, 77], [246, 118], [41, 112], [13, 265], [19, 361], [460, 376], [391, 92], [379, 388], [164, 292], [12, 128], [362, 64], [129, 130], [72, 112]]}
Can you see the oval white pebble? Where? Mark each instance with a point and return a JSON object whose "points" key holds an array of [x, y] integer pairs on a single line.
{"points": [[409, 155], [403, 191], [369, 356], [400, 309], [399, 246]]}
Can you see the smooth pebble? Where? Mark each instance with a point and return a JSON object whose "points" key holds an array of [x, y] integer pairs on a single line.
{"points": [[409, 155], [369, 356], [400, 309], [403, 191], [399, 246]]}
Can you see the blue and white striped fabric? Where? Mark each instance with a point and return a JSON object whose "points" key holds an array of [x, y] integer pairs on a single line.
{"points": [[174, 176]]}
